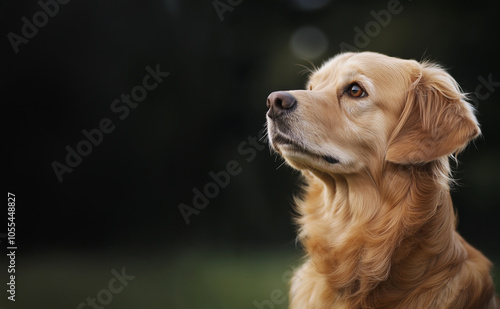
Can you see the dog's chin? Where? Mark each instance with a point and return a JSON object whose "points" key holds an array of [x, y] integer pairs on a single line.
{"points": [[301, 157]]}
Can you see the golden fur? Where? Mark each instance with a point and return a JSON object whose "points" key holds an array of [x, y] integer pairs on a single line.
{"points": [[376, 218]]}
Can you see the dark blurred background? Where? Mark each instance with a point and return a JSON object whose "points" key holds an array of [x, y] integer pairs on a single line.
{"points": [[120, 206]]}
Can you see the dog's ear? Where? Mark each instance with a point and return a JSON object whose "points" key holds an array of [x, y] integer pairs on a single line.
{"points": [[436, 120]]}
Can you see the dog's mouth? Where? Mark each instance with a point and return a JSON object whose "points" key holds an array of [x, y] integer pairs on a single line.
{"points": [[289, 147]]}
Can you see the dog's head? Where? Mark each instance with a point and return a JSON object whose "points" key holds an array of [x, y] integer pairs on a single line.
{"points": [[360, 107]]}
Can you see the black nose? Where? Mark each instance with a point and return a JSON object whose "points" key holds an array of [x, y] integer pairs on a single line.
{"points": [[280, 102]]}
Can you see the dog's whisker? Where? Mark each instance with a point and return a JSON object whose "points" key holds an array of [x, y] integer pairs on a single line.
{"points": [[283, 163]]}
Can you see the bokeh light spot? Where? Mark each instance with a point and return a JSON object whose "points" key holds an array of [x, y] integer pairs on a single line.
{"points": [[310, 4], [308, 42]]}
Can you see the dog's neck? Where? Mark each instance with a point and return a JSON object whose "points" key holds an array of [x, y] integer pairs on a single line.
{"points": [[364, 233]]}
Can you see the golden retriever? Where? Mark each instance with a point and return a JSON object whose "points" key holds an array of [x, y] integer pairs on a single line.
{"points": [[371, 136]]}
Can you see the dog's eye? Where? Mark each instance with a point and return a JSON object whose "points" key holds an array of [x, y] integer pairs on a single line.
{"points": [[355, 91]]}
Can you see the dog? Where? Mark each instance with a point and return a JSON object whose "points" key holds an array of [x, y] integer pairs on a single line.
{"points": [[372, 136]]}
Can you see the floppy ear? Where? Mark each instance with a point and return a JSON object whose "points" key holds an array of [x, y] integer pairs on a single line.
{"points": [[436, 120]]}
